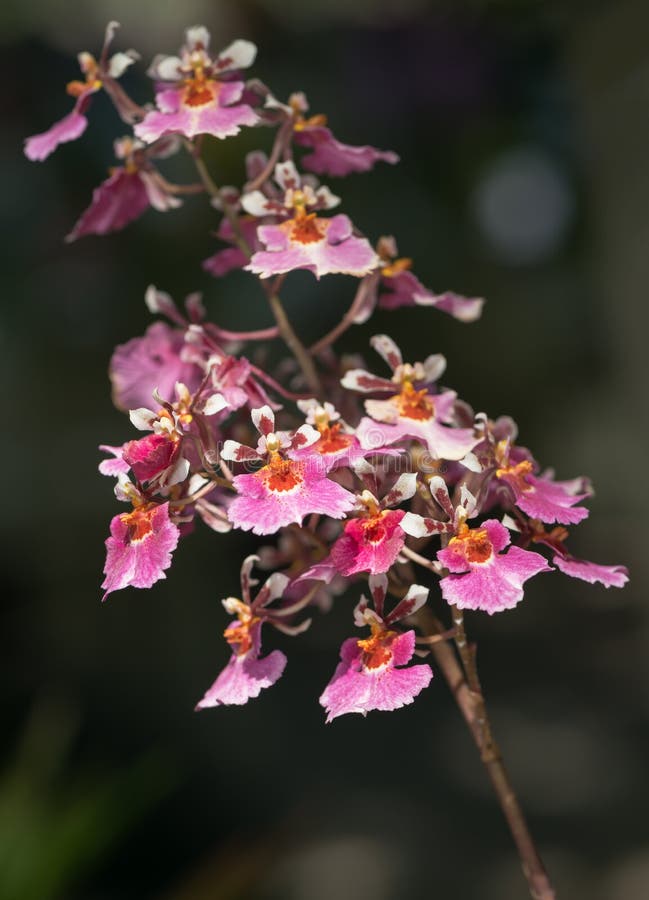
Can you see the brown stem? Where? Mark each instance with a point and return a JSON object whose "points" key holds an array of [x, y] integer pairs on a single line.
{"points": [[173, 188], [346, 322], [127, 109], [467, 654], [421, 560], [471, 703], [223, 334], [294, 344], [214, 481], [282, 139], [275, 385], [214, 191]]}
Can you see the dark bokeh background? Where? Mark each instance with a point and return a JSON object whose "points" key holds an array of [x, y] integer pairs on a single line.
{"points": [[523, 129]]}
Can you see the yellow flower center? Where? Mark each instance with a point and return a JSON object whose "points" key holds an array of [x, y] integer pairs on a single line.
{"points": [[396, 267]]}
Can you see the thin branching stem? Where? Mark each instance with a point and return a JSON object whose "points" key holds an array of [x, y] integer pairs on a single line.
{"points": [[345, 323], [468, 695]]}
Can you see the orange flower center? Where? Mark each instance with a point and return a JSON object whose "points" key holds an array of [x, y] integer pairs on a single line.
{"points": [[199, 90], [396, 267], [281, 474], [237, 634], [138, 522], [373, 527], [306, 228], [333, 439], [473, 543], [301, 122], [376, 649], [517, 474], [557, 535], [414, 404], [90, 69]]}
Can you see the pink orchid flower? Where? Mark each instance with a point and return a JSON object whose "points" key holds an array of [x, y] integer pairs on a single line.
{"points": [[411, 411], [584, 570], [371, 673], [393, 285], [199, 94], [483, 577], [141, 542], [539, 495], [97, 75], [305, 240], [247, 672], [285, 489], [328, 155], [130, 190]]}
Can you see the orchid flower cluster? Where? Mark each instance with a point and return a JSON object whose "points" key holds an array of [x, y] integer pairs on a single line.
{"points": [[354, 481]]}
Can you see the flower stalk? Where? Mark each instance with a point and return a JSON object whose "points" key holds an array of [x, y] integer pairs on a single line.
{"points": [[464, 684], [363, 475]]}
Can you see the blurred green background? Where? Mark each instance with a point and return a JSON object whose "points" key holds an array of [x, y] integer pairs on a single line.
{"points": [[523, 129]]}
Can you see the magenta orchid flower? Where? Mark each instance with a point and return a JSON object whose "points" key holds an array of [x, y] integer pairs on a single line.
{"points": [[540, 496], [115, 465], [593, 573], [411, 411], [393, 285], [305, 240], [372, 540], [141, 542], [338, 445], [372, 672], [97, 75], [328, 155], [159, 456], [483, 577], [199, 94], [130, 190], [233, 257], [247, 672], [284, 490], [153, 361]]}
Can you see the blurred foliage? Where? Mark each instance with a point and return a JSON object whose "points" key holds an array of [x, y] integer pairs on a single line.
{"points": [[56, 821]]}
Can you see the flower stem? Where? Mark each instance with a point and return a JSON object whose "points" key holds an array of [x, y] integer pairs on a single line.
{"points": [[466, 690], [294, 344], [209, 184], [282, 140], [347, 321], [222, 334]]}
